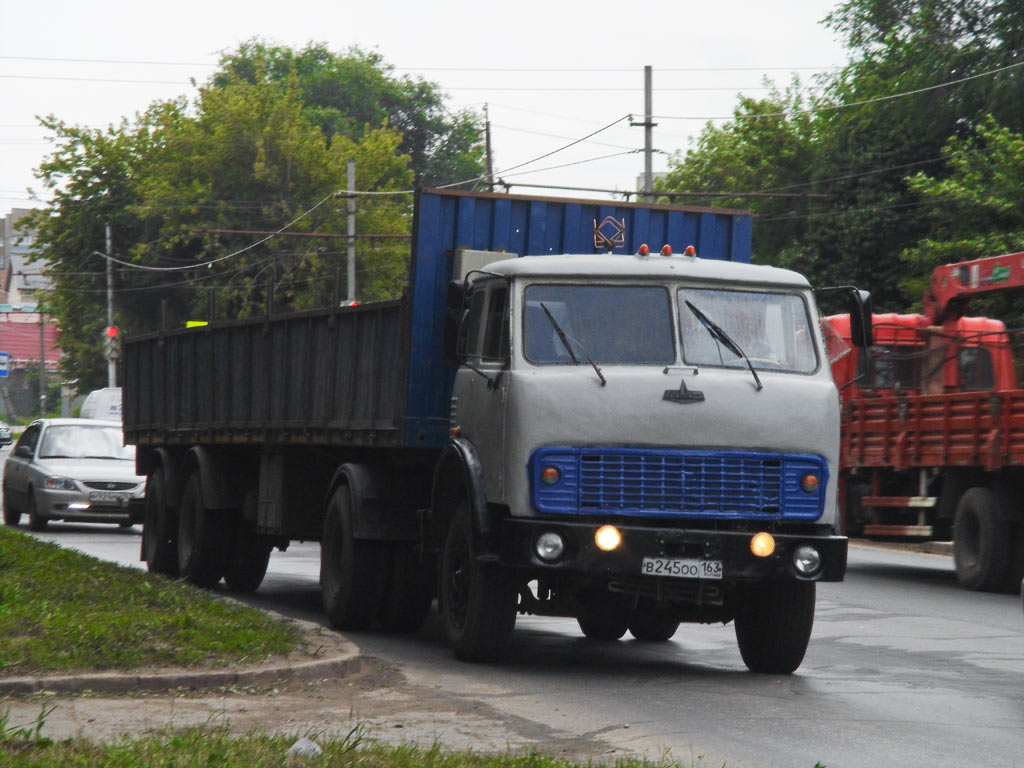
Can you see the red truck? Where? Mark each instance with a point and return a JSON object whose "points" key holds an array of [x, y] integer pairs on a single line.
{"points": [[933, 427]]}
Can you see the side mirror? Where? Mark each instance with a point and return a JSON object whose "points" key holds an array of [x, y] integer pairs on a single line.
{"points": [[860, 318], [23, 451]]}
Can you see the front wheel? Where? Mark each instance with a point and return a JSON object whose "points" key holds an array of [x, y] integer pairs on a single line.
{"points": [[606, 627], [36, 521], [981, 541], [652, 627], [478, 599], [11, 515], [773, 624]]}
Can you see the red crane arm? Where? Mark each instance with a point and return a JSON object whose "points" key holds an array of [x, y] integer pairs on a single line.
{"points": [[953, 285]]}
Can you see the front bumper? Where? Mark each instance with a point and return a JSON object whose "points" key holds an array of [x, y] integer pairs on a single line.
{"points": [[582, 556], [69, 507]]}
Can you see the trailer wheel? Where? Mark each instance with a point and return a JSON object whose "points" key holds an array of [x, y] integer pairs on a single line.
{"points": [[247, 564], [478, 599], [11, 515], [607, 628], [202, 538], [351, 578], [410, 589], [159, 528], [773, 624], [981, 541], [652, 627]]}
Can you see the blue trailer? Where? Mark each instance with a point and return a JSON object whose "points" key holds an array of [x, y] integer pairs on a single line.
{"points": [[557, 418]]}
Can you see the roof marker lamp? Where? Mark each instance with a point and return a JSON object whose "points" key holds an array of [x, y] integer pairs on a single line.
{"points": [[608, 538], [643, 250], [762, 545], [666, 250]]}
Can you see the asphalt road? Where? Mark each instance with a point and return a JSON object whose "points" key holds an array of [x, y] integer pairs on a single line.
{"points": [[904, 668]]}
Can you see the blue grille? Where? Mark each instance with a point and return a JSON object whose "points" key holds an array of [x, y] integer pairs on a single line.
{"points": [[680, 483]]}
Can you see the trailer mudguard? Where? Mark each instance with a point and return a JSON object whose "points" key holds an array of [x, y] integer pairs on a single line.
{"points": [[220, 479], [384, 501], [457, 477], [148, 461]]}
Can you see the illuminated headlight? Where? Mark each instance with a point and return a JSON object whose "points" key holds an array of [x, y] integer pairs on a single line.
{"points": [[57, 483], [549, 546], [762, 544], [608, 538], [806, 560]]}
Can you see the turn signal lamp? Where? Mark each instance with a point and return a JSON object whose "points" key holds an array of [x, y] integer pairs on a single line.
{"points": [[549, 475], [810, 483], [608, 538], [762, 545]]}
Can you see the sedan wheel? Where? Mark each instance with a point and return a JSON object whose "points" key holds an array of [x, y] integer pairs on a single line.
{"points": [[35, 521]]}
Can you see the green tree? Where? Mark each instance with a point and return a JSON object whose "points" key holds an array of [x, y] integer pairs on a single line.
{"points": [[978, 207], [347, 94]]}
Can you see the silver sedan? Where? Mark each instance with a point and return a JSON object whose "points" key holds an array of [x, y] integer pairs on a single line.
{"points": [[72, 469]]}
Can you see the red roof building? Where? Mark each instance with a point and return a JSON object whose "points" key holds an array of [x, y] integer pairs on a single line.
{"points": [[20, 339]]}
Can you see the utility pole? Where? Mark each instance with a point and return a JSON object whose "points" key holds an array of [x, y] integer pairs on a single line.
{"points": [[42, 362], [111, 363], [648, 126], [487, 145], [351, 229]]}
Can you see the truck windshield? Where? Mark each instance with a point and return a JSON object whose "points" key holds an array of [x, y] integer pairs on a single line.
{"points": [[772, 328], [612, 324]]}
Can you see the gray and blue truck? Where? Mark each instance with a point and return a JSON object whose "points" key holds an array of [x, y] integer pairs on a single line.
{"points": [[584, 409]]}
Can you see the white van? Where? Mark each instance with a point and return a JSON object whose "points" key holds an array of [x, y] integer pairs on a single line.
{"points": [[103, 404]]}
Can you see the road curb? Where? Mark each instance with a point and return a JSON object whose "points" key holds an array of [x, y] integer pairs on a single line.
{"points": [[341, 658]]}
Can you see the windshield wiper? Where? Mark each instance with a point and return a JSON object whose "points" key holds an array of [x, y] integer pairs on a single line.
{"points": [[564, 338], [719, 335]]}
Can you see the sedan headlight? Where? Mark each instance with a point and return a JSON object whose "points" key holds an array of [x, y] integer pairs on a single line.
{"points": [[58, 483]]}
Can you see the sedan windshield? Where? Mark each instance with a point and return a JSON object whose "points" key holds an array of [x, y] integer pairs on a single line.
{"points": [[609, 324], [74, 441], [772, 329]]}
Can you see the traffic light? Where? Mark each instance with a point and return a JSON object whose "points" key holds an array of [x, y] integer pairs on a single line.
{"points": [[111, 347]]}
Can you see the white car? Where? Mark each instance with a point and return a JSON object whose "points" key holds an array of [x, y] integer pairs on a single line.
{"points": [[74, 470]]}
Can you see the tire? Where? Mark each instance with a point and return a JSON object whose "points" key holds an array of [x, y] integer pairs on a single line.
{"points": [[201, 538], [159, 528], [773, 624], [478, 599], [981, 541], [351, 570], [36, 521], [11, 515], [605, 628], [410, 589], [247, 563], [652, 627]]}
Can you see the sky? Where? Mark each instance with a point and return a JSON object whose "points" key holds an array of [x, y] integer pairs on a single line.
{"points": [[549, 72]]}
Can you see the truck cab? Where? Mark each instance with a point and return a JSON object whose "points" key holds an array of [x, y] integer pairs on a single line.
{"points": [[684, 407]]}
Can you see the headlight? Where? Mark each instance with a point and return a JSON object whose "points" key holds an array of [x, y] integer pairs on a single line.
{"points": [[806, 560], [58, 483], [549, 546]]}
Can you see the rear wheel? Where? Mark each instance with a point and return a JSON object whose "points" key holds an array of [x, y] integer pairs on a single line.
{"points": [[773, 624], [607, 628], [159, 528], [11, 515], [351, 579], [981, 541], [652, 627], [201, 537], [478, 599], [36, 521], [248, 559], [410, 589]]}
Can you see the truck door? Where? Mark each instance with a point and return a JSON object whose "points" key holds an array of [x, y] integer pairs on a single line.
{"points": [[478, 398]]}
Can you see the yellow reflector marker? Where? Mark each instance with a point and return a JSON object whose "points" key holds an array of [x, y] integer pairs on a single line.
{"points": [[762, 545], [608, 538]]}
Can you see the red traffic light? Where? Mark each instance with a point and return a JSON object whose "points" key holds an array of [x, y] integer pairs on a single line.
{"points": [[111, 331]]}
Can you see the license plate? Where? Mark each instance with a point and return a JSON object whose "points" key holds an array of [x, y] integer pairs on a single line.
{"points": [[681, 568], [109, 497]]}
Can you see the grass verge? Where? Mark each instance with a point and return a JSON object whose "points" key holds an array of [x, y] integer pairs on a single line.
{"points": [[62, 611]]}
